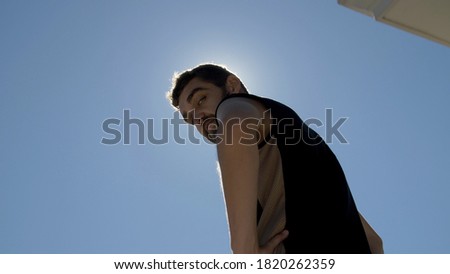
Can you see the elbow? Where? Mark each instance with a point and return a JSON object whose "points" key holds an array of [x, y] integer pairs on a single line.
{"points": [[376, 244]]}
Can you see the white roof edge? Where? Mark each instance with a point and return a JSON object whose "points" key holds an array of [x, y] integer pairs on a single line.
{"points": [[417, 32], [378, 9], [372, 8]]}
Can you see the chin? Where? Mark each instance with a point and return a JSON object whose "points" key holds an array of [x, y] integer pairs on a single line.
{"points": [[212, 138]]}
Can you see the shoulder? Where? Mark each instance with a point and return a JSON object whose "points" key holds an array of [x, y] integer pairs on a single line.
{"points": [[249, 113], [241, 106]]}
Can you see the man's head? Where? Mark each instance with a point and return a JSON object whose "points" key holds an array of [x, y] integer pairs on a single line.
{"points": [[214, 74], [196, 93]]}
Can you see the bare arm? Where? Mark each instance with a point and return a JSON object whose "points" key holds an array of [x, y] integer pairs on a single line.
{"points": [[375, 241], [239, 163]]}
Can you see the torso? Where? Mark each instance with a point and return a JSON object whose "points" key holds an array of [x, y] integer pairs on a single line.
{"points": [[302, 188]]}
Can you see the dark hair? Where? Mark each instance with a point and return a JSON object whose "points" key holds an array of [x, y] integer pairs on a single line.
{"points": [[211, 73]]}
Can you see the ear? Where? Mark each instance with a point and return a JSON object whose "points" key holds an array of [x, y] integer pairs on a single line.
{"points": [[233, 84]]}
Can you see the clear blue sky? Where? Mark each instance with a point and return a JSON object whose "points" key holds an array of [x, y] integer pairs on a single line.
{"points": [[66, 66]]}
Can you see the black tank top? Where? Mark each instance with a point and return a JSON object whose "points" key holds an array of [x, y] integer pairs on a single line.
{"points": [[302, 188]]}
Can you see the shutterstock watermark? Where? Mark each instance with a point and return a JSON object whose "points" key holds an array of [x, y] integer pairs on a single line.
{"points": [[119, 130]]}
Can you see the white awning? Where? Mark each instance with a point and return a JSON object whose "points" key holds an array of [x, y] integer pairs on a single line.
{"points": [[427, 18]]}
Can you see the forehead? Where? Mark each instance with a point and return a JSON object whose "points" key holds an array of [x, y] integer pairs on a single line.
{"points": [[191, 86]]}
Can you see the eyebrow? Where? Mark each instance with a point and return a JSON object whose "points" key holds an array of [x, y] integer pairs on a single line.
{"points": [[189, 99]]}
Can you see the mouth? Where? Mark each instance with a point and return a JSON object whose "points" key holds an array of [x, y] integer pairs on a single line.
{"points": [[209, 126], [206, 125]]}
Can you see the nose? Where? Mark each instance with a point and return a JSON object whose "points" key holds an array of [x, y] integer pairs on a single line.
{"points": [[198, 118]]}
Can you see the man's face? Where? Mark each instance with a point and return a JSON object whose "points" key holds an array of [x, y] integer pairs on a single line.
{"points": [[198, 102]]}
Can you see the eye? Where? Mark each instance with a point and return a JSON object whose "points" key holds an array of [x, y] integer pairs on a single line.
{"points": [[200, 102]]}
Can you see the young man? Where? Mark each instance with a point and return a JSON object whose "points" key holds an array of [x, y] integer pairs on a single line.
{"points": [[284, 189]]}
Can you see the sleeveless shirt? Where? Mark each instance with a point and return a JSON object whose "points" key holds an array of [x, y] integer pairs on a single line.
{"points": [[302, 188]]}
